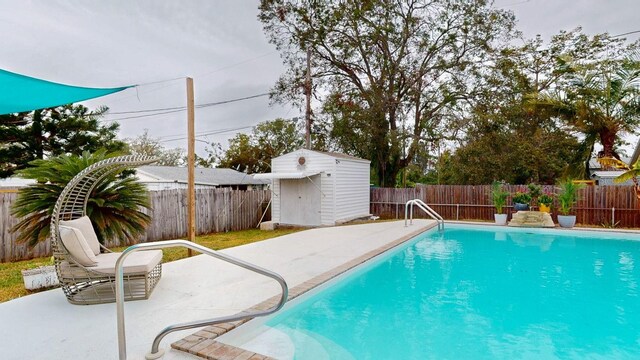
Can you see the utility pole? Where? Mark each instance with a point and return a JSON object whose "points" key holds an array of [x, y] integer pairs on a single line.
{"points": [[191, 159], [307, 92]]}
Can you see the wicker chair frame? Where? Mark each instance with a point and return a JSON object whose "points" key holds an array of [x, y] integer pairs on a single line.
{"points": [[80, 284]]}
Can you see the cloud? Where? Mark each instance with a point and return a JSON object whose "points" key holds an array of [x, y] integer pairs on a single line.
{"points": [[219, 43]]}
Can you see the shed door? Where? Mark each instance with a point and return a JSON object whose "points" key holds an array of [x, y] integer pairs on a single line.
{"points": [[300, 201]]}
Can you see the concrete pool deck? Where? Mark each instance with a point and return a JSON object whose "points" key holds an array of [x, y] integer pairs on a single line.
{"points": [[46, 326]]}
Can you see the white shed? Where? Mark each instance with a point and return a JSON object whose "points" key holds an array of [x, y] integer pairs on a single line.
{"points": [[313, 188]]}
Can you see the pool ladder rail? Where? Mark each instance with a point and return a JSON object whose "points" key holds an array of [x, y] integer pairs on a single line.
{"points": [[156, 352], [408, 212]]}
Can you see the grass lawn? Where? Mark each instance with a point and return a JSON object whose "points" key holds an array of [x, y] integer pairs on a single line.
{"points": [[11, 285]]}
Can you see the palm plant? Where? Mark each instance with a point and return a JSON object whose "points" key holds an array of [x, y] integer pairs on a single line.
{"points": [[632, 174], [114, 206], [499, 196], [568, 195], [601, 100]]}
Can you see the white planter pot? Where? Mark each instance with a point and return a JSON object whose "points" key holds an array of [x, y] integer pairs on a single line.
{"points": [[567, 221], [501, 219], [42, 277]]}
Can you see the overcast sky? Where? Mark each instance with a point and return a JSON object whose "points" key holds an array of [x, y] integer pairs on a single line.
{"points": [[219, 43]]}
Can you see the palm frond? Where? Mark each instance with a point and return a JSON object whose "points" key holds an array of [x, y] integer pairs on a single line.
{"points": [[114, 207]]}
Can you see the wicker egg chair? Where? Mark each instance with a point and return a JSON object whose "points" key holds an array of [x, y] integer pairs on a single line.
{"points": [[82, 284]]}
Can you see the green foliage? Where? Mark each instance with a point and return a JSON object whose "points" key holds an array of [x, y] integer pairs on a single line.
{"points": [[148, 146], [630, 174], [391, 76], [518, 156], [567, 195], [499, 196], [253, 153], [546, 199], [534, 191], [68, 129], [521, 198], [599, 95], [113, 207], [518, 133]]}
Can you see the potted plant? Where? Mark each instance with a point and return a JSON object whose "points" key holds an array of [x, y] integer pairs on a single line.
{"points": [[499, 197], [521, 201], [567, 197], [534, 191], [544, 202]]}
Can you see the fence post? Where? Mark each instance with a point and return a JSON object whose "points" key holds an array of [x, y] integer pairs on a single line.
{"points": [[457, 211], [613, 217]]}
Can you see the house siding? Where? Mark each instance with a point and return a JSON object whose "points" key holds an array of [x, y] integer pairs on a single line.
{"points": [[352, 189]]}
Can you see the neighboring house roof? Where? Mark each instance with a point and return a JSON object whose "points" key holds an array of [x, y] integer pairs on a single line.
{"points": [[203, 176], [608, 177], [608, 174], [15, 182]]}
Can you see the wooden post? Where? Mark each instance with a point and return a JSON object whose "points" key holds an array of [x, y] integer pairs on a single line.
{"points": [[191, 159], [307, 92]]}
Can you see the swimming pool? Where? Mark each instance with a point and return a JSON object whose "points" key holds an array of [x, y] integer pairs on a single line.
{"points": [[472, 292]]}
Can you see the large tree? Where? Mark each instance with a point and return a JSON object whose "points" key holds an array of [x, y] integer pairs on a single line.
{"points": [[514, 136], [601, 99], [146, 145], [69, 129], [253, 152], [390, 73]]}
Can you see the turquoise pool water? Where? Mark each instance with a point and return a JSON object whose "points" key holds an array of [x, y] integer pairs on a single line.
{"points": [[475, 293]]}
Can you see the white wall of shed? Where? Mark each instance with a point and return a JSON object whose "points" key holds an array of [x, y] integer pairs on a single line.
{"points": [[275, 200], [352, 189]]}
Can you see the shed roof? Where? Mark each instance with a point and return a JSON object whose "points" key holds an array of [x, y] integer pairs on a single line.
{"points": [[328, 153], [594, 164], [341, 155], [207, 176]]}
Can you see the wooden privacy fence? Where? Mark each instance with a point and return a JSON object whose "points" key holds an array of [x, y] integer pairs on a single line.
{"points": [[597, 205], [217, 210]]}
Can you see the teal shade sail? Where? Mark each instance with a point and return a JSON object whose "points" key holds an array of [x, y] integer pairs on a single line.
{"points": [[20, 93]]}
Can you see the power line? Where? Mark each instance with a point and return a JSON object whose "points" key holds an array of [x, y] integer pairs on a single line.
{"points": [[146, 115], [627, 33], [196, 76], [162, 111], [206, 133], [232, 100], [144, 111]]}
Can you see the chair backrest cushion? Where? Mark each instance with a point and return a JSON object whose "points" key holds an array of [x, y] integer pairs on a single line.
{"points": [[84, 225], [77, 246]]}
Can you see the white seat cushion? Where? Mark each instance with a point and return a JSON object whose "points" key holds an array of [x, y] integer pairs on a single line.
{"points": [[137, 262], [84, 225], [75, 243]]}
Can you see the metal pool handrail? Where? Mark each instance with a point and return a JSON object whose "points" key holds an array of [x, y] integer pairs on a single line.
{"points": [[421, 204], [157, 353]]}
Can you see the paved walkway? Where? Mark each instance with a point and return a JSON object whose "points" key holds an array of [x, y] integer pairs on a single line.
{"points": [[46, 326]]}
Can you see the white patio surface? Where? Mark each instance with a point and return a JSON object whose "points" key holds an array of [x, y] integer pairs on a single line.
{"points": [[46, 326]]}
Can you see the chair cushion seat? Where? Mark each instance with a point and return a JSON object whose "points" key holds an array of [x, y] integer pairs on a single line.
{"points": [[84, 225], [137, 262], [74, 242]]}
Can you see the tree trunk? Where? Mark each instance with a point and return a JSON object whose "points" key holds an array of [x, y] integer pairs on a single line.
{"points": [[608, 140], [36, 131]]}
